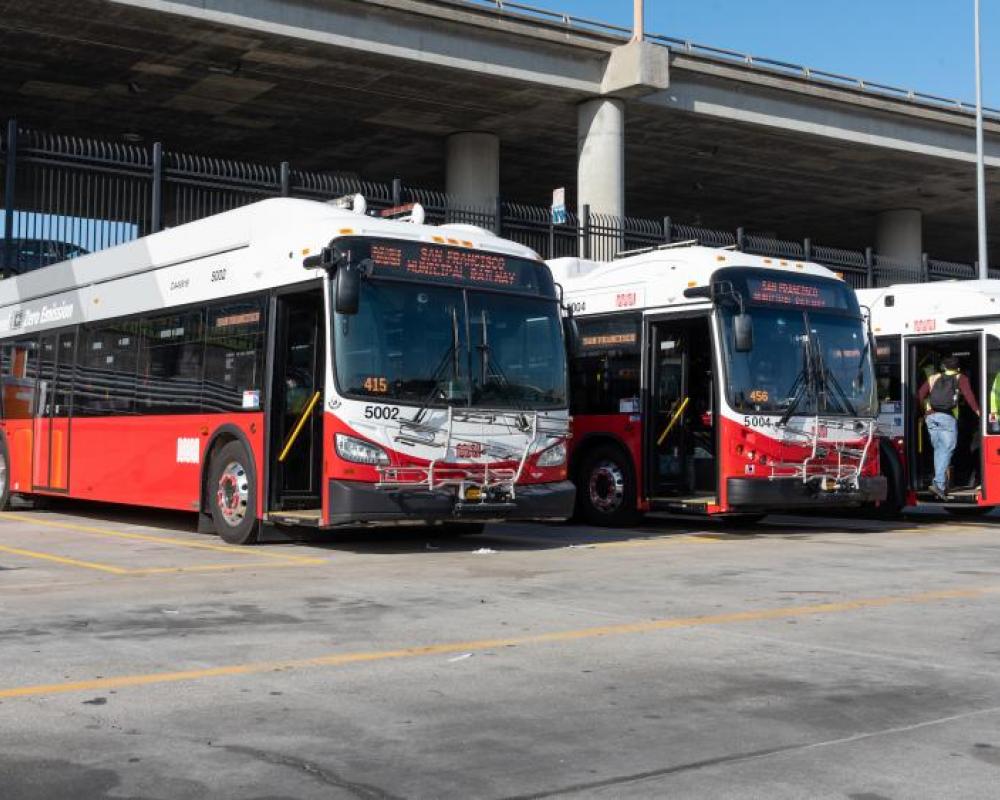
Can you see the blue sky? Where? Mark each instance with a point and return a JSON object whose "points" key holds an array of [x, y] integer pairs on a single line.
{"points": [[924, 45]]}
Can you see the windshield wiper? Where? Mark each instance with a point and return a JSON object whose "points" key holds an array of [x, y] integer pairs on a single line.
{"points": [[492, 372], [452, 358], [805, 381], [829, 380]]}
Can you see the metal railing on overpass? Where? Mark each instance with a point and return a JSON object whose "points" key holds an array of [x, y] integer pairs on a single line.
{"points": [[582, 25], [65, 195]]}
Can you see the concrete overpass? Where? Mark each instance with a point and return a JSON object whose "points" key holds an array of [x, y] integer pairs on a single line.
{"points": [[460, 94]]}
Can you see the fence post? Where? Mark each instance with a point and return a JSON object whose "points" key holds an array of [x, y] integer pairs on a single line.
{"points": [[8, 199], [807, 249], [925, 268], [739, 238], [869, 268], [286, 179], [397, 192], [498, 216], [668, 232], [552, 237], [585, 231], [156, 212]]}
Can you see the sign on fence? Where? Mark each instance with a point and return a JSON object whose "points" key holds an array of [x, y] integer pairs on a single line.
{"points": [[559, 206]]}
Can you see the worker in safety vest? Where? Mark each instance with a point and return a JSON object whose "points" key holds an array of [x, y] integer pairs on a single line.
{"points": [[939, 399]]}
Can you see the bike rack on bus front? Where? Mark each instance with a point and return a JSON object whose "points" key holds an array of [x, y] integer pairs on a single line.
{"points": [[474, 482]]}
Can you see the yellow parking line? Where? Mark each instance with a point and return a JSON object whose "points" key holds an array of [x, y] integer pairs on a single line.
{"points": [[63, 560], [223, 567], [479, 645], [144, 537]]}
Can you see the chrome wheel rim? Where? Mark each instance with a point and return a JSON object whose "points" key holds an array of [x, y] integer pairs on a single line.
{"points": [[3, 474], [232, 495], [607, 487]]}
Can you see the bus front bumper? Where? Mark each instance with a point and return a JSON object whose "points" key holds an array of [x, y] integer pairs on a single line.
{"points": [[359, 503], [777, 494]]}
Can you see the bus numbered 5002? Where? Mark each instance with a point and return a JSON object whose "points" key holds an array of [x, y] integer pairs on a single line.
{"points": [[288, 363], [717, 382]]}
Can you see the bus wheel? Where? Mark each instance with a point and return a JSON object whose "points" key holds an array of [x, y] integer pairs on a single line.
{"points": [[4, 476], [895, 501], [232, 494], [606, 488]]}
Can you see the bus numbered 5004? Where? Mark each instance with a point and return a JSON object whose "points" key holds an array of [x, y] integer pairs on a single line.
{"points": [[716, 382], [291, 362]]}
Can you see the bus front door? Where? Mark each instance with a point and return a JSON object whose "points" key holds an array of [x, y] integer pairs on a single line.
{"points": [[296, 417], [51, 434], [680, 437]]}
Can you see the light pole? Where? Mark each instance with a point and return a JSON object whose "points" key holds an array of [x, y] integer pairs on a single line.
{"points": [[639, 27], [984, 267]]}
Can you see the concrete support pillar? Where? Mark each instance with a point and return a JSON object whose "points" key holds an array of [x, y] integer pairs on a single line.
{"points": [[899, 235], [600, 171], [473, 169]]}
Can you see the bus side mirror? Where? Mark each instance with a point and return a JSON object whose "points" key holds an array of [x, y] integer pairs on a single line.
{"points": [[347, 289], [743, 332], [571, 333]]}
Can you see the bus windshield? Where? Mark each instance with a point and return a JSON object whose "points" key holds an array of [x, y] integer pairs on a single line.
{"points": [[801, 362], [435, 345]]}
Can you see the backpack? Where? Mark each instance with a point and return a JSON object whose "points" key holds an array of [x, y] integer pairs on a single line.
{"points": [[944, 394]]}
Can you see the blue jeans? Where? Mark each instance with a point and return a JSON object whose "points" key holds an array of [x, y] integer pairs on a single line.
{"points": [[943, 429]]}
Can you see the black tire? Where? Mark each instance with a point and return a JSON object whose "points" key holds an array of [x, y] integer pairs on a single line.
{"points": [[5, 493], [232, 494], [895, 498], [968, 511], [605, 488]]}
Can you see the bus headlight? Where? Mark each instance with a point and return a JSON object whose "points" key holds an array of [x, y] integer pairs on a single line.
{"points": [[554, 456], [360, 452]]}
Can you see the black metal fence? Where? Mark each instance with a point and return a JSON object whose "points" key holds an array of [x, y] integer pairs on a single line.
{"points": [[65, 195]]}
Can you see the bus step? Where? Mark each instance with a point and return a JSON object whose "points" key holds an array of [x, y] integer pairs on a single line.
{"points": [[310, 517]]}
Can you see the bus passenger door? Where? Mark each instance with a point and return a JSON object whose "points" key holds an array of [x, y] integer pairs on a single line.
{"points": [[990, 452], [296, 442], [51, 428], [680, 437]]}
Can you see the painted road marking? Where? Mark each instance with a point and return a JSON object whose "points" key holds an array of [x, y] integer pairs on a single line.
{"points": [[74, 562], [116, 570], [144, 537], [479, 645]]}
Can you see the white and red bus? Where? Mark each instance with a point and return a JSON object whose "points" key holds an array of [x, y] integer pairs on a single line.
{"points": [[712, 381], [291, 362], [916, 326]]}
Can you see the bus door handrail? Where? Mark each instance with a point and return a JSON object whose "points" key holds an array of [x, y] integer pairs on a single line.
{"points": [[298, 427]]}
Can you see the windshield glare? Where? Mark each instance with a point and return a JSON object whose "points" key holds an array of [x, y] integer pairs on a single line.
{"points": [[769, 377], [438, 345]]}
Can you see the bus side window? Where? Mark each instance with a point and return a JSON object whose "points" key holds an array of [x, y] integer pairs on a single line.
{"points": [[234, 357], [604, 374], [20, 369], [992, 385], [888, 364], [170, 364], [105, 370]]}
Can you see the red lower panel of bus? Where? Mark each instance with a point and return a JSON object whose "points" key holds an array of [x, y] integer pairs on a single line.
{"points": [[147, 460], [990, 493], [626, 429]]}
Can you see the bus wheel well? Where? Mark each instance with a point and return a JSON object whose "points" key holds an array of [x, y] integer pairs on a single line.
{"points": [[219, 439], [591, 443]]}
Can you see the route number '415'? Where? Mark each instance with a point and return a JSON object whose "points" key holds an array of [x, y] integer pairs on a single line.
{"points": [[374, 385]]}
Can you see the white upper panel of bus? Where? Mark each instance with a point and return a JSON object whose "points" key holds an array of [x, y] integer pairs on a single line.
{"points": [[248, 249], [931, 307], [657, 278]]}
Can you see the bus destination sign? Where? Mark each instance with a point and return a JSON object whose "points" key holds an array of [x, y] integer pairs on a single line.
{"points": [[432, 262], [777, 291]]}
